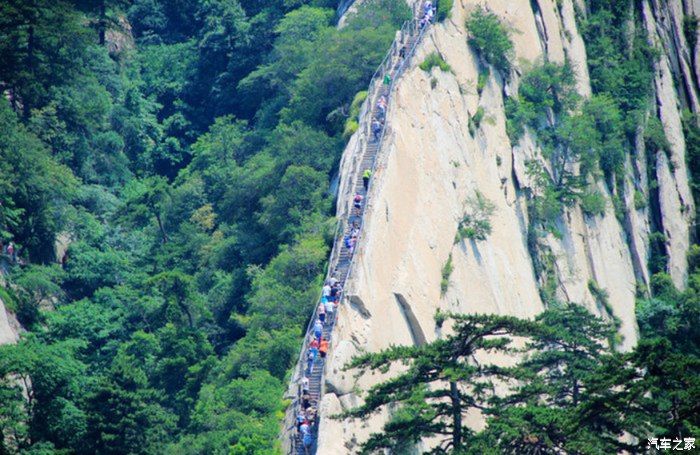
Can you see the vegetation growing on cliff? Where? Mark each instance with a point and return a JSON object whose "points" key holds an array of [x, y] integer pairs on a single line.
{"points": [[433, 60], [567, 392], [476, 222], [490, 38], [593, 135], [446, 272], [444, 10], [185, 150], [581, 139]]}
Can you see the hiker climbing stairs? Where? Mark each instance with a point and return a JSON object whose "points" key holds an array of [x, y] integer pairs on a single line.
{"points": [[350, 227]]}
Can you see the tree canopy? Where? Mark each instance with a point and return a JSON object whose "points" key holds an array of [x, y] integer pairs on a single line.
{"points": [[174, 158], [564, 389]]}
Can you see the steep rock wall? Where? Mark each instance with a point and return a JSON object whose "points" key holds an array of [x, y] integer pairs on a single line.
{"points": [[431, 163], [8, 326], [675, 87]]}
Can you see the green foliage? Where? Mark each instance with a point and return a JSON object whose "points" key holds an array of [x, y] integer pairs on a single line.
{"points": [[8, 299], [352, 122], [655, 137], [444, 10], [601, 297], [357, 101], [351, 126], [434, 60], [376, 13], [284, 291], [671, 314], [124, 412], [36, 286], [446, 272], [545, 88], [668, 324], [475, 120], [621, 69], [90, 268], [551, 198], [341, 65], [593, 203], [621, 63], [590, 138], [694, 259], [32, 184], [690, 30], [482, 80], [57, 381], [146, 199], [591, 135], [476, 223], [619, 208], [300, 195], [478, 117], [640, 201], [517, 117], [545, 269], [188, 173], [441, 382], [490, 39], [549, 85], [658, 257], [427, 388], [56, 36], [606, 143], [691, 132], [565, 391]]}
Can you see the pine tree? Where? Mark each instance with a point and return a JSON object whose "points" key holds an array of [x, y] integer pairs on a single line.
{"points": [[561, 403], [439, 382]]}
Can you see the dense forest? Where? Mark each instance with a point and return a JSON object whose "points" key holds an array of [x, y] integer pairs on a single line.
{"points": [[166, 182], [180, 154]]}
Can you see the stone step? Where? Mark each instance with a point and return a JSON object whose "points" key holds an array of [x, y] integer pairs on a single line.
{"points": [[344, 258]]}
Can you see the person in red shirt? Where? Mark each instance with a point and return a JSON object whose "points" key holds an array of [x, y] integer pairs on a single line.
{"points": [[358, 201]]}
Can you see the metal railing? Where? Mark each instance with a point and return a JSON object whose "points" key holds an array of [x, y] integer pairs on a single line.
{"points": [[409, 28], [394, 65]]}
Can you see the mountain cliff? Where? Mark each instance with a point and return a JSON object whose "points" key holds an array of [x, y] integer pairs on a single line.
{"points": [[447, 145], [8, 333], [8, 323]]}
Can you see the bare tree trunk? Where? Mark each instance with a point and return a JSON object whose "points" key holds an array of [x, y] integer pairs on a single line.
{"points": [[456, 416]]}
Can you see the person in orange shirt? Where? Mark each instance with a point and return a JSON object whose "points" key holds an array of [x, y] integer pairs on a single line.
{"points": [[323, 348]]}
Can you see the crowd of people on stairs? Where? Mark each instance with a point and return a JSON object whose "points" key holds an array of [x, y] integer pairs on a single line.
{"points": [[428, 13], [318, 342], [317, 349]]}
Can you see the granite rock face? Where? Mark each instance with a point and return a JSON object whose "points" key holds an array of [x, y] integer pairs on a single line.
{"points": [[432, 162]]}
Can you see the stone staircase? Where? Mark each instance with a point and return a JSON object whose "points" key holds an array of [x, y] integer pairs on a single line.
{"points": [[341, 257]]}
